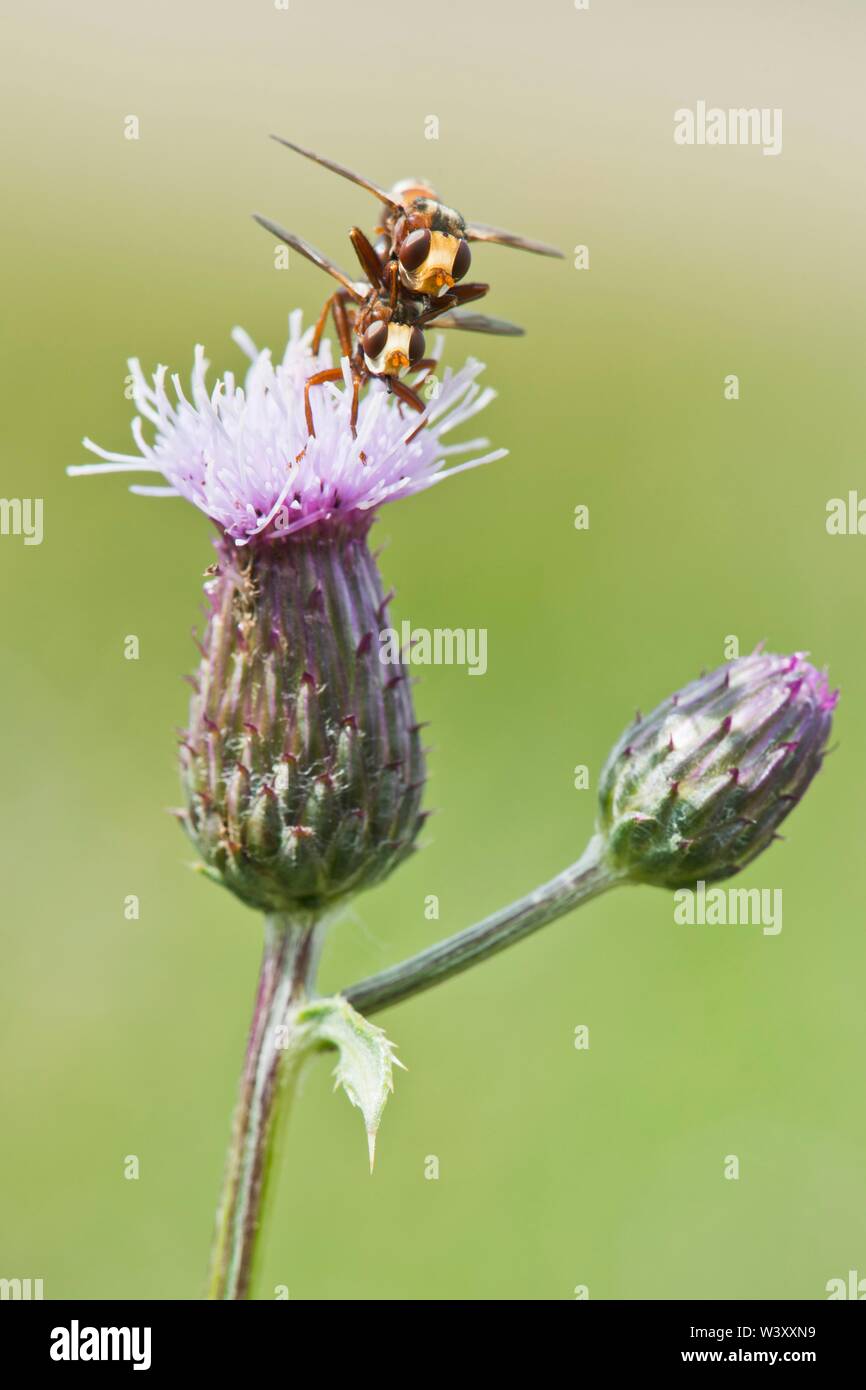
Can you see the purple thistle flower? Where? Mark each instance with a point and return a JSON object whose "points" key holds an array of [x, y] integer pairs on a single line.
{"points": [[699, 787], [242, 454], [302, 763]]}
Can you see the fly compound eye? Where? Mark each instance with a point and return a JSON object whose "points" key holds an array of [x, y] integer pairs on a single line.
{"points": [[375, 339], [416, 345], [462, 260], [415, 249]]}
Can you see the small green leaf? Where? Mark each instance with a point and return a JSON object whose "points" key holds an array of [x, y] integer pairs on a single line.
{"points": [[366, 1066]]}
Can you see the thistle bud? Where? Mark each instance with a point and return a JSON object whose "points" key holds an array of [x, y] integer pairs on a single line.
{"points": [[302, 765], [698, 788]]}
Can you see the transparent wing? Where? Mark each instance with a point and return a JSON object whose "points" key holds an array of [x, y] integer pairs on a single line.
{"points": [[342, 171], [477, 231], [479, 323], [317, 257]]}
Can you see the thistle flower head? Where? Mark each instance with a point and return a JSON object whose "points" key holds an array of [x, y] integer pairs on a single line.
{"points": [[301, 763], [241, 453], [698, 788]]}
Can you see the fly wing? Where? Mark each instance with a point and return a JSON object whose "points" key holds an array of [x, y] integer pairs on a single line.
{"points": [[477, 231], [317, 257], [343, 172], [452, 299], [479, 323]]}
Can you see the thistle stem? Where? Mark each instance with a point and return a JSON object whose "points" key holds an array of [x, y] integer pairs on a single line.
{"points": [[575, 885], [272, 1064], [269, 1075]]}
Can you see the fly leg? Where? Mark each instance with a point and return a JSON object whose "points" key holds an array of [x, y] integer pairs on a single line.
{"points": [[427, 365], [320, 325], [393, 275], [411, 398], [318, 379], [342, 325]]}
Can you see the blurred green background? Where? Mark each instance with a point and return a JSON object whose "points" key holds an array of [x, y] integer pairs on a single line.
{"points": [[557, 1167]]}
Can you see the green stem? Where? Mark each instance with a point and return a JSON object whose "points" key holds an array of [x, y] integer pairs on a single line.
{"points": [[575, 885], [270, 1071], [272, 1063]]}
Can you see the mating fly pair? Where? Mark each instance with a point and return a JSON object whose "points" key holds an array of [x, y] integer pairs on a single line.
{"points": [[411, 280]]}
